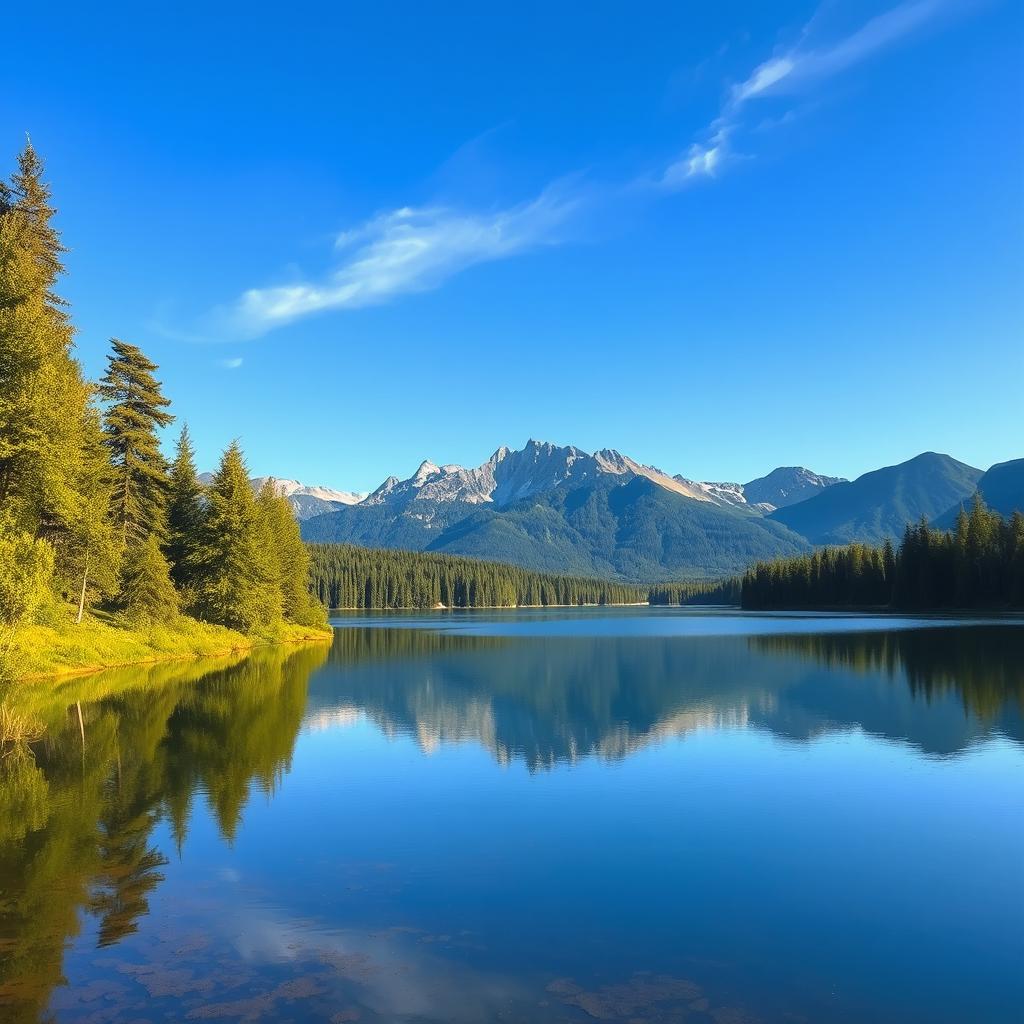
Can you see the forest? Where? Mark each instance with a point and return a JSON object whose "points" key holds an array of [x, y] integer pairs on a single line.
{"points": [[346, 576], [979, 564], [92, 516], [349, 576]]}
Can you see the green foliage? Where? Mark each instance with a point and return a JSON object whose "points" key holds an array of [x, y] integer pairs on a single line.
{"points": [[979, 565], [26, 573], [89, 563], [237, 582], [726, 592], [290, 557], [93, 494], [184, 512], [43, 399], [344, 576], [26, 569], [136, 409], [147, 591]]}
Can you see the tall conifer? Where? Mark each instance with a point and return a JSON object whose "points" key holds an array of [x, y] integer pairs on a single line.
{"points": [[136, 409], [147, 593], [291, 558], [43, 398], [184, 512], [236, 583]]}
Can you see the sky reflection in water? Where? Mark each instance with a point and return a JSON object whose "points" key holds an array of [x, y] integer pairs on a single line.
{"points": [[531, 817]]}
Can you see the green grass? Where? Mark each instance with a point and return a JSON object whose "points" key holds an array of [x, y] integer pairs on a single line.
{"points": [[104, 641]]}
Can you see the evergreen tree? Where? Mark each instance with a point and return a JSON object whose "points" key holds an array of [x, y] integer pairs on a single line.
{"points": [[291, 559], [345, 576], [979, 565], [147, 592], [136, 409], [184, 512], [91, 563], [43, 399], [236, 583]]}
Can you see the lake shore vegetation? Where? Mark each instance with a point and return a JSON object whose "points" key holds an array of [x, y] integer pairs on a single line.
{"points": [[979, 565], [346, 576], [107, 552]]}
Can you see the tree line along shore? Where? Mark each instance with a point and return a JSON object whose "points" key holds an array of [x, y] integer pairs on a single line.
{"points": [[108, 553], [979, 565], [345, 576]]}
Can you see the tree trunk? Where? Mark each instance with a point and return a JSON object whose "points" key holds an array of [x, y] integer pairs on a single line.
{"points": [[81, 597]]}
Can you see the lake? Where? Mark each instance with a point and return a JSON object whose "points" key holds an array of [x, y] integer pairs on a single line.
{"points": [[627, 815]]}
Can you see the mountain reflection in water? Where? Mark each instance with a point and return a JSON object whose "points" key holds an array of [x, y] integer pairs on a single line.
{"points": [[94, 772], [544, 700]]}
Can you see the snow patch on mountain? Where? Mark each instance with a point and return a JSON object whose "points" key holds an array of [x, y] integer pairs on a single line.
{"points": [[510, 475], [290, 488], [783, 486], [787, 485]]}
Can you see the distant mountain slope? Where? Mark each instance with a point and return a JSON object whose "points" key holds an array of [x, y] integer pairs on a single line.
{"points": [[786, 486], [1002, 487], [510, 475], [632, 531], [306, 501], [880, 504], [783, 486], [560, 509]]}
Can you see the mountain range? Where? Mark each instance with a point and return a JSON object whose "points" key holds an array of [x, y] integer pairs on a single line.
{"points": [[306, 501], [1002, 489], [878, 505], [559, 508]]}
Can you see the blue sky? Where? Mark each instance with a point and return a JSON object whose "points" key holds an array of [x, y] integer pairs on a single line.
{"points": [[718, 237]]}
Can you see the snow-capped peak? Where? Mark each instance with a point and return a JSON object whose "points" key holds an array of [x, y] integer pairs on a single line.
{"points": [[293, 488]]}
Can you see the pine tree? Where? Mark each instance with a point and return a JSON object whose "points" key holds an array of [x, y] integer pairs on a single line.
{"points": [[43, 398], [147, 593], [235, 573], [91, 562], [291, 558], [184, 513], [136, 409]]}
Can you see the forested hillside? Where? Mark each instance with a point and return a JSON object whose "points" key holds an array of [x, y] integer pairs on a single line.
{"points": [[91, 513], [879, 504], [980, 564], [1001, 488], [346, 576], [631, 530]]}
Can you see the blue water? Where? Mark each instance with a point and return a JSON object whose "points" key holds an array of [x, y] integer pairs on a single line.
{"points": [[538, 816]]}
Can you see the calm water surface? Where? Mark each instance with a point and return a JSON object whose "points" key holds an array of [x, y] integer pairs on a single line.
{"points": [[601, 815]]}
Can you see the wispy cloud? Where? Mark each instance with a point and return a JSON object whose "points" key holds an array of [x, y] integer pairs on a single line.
{"points": [[408, 250], [231, 364], [792, 70], [413, 249]]}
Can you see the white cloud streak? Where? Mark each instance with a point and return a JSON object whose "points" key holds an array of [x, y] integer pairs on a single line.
{"points": [[415, 249], [799, 66], [791, 70], [409, 250], [231, 364]]}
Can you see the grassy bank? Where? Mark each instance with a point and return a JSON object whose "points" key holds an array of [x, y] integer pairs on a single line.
{"points": [[102, 641]]}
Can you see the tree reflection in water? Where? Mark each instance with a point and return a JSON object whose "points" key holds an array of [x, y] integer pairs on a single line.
{"points": [[79, 804]]}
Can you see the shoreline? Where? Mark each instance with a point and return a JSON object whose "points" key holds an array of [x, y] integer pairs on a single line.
{"points": [[89, 670], [98, 644], [512, 607]]}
